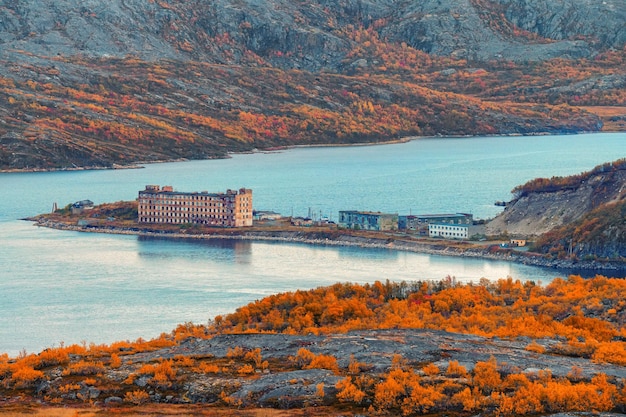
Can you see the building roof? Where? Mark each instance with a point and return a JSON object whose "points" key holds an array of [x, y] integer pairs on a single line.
{"points": [[449, 225], [434, 216], [155, 189], [368, 213]]}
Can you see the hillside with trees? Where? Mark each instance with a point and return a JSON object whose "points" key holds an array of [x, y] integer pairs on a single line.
{"points": [[599, 235], [559, 206], [131, 81], [501, 348]]}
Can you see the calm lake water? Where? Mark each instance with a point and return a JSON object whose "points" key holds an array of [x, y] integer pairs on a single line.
{"points": [[71, 287]]}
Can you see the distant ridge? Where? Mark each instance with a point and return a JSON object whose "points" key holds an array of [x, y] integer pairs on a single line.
{"points": [[95, 84]]}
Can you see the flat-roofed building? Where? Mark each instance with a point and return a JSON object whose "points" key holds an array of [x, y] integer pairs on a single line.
{"points": [[449, 231], [454, 231], [163, 205], [368, 220]]}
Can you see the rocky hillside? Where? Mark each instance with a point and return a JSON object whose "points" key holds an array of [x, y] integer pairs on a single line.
{"points": [[542, 205], [93, 83], [598, 235], [509, 349], [307, 34]]}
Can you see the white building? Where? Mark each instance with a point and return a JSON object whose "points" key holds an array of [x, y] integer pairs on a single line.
{"points": [[449, 231]]}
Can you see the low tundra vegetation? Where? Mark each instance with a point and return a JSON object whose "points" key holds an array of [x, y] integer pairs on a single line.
{"points": [[582, 317]]}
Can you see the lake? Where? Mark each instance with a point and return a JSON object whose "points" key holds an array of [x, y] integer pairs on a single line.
{"points": [[71, 287]]}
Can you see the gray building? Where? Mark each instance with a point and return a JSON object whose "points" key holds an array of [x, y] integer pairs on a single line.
{"points": [[368, 220]]}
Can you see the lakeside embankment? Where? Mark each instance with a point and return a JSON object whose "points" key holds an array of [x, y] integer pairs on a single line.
{"points": [[339, 237]]}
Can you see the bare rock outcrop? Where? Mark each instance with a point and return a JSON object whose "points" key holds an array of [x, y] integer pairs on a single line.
{"points": [[373, 348], [601, 21]]}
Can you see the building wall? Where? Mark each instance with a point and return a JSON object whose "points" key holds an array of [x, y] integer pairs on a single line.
{"points": [[243, 208], [166, 206], [448, 231], [364, 220]]}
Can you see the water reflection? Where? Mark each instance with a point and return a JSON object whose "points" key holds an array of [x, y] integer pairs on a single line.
{"points": [[287, 265], [236, 251]]}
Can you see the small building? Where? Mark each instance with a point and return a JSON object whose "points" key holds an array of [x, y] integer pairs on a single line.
{"points": [[368, 220], [419, 222], [80, 207], [302, 221], [518, 242], [266, 215]]}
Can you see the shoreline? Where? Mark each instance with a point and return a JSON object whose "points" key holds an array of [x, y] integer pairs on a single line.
{"points": [[405, 139], [462, 249]]}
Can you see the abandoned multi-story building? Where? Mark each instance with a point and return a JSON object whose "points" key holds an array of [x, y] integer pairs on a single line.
{"points": [[164, 205]]}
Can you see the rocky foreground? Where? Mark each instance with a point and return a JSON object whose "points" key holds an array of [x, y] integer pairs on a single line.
{"points": [[269, 370], [373, 348], [503, 348]]}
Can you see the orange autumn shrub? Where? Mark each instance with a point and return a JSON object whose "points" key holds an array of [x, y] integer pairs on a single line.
{"points": [[349, 392], [430, 370], [486, 376], [255, 357], [303, 357], [24, 376], [207, 368], [535, 347], [162, 372], [611, 352], [456, 370], [246, 369], [116, 362], [84, 367], [137, 397], [324, 362]]}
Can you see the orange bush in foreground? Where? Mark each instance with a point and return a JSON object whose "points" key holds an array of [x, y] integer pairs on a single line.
{"points": [[590, 313], [405, 391]]}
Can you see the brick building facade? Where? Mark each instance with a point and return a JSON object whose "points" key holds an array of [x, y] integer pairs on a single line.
{"points": [[164, 205]]}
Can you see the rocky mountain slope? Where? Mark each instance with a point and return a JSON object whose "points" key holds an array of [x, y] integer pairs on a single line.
{"points": [[94, 83], [306, 32]]}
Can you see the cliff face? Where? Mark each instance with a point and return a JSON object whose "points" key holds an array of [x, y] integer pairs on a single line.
{"points": [[580, 217], [602, 22]]}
